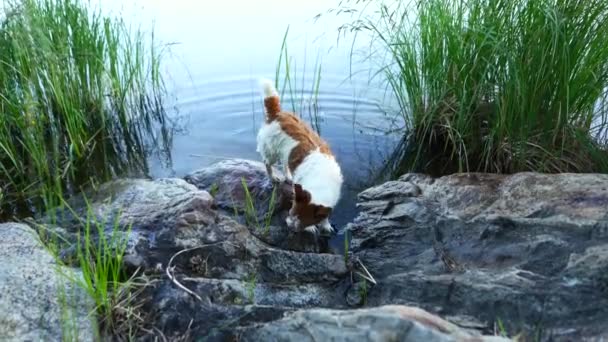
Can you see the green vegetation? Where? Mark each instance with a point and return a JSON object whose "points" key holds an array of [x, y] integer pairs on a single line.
{"points": [[214, 189], [99, 256], [500, 328], [286, 82], [100, 248], [363, 291], [496, 85], [346, 246], [80, 99], [251, 213], [80, 102], [252, 282]]}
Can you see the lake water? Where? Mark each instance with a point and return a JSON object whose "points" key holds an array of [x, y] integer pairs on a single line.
{"points": [[221, 50]]}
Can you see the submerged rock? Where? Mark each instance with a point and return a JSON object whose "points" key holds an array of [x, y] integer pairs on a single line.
{"points": [[528, 250], [38, 303]]}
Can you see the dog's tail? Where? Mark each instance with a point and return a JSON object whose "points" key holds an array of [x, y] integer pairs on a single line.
{"points": [[272, 103]]}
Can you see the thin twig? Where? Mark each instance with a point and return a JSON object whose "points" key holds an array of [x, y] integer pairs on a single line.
{"points": [[169, 268], [171, 276], [368, 275]]}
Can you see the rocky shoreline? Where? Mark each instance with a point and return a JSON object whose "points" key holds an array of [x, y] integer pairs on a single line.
{"points": [[527, 252]]}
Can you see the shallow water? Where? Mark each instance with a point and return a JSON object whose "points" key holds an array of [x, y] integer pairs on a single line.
{"points": [[223, 48]]}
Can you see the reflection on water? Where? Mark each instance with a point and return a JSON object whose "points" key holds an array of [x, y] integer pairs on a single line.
{"points": [[223, 47]]}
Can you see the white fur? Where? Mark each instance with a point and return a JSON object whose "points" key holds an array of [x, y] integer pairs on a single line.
{"points": [[274, 144], [268, 88], [326, 226], [320, 175]]}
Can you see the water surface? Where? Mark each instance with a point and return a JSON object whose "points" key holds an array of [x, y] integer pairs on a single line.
{"points": [[221, 50]]}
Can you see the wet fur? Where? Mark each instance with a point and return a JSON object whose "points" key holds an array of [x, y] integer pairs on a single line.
{"points": [[307, 160]]}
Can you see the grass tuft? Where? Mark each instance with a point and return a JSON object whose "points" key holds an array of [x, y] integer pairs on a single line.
{"points": [[81, 101], [251, 283], [99, 250], [496, 85], [251, 213]]}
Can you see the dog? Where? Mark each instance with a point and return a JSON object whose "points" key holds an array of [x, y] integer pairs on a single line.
{"points": [[307, 160]]}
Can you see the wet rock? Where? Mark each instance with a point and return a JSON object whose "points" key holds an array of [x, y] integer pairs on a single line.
{"points": [[37, 303], [385, 323], [232, 181], [242, 189], [526, 249], [220, 270]]}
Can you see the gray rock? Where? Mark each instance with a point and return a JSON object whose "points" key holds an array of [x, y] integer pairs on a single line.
{"points": [[225, 181], [526, 249], [231, 272], [255, 205], [574, 199], [385, 323], [37, 303]]}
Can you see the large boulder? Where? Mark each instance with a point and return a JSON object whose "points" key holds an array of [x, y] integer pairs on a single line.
{"points": [[528, 251], [37, 301]]}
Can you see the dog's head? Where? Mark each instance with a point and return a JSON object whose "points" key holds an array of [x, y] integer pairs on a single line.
{"points": [[303, 213]]}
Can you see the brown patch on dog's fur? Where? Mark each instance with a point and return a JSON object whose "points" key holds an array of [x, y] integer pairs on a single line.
{"points": [[309, 214], [308, 140], [298, 130]]}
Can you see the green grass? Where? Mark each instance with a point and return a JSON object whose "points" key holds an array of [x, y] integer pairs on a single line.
{"points": [[495, 85], [363, 292], [252, 281], [250, 211], [100, 249], [99, 256], [500, 328], [346, 246], [81, 102]]}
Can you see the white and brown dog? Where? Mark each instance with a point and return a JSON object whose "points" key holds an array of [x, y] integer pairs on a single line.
{"points": [[307, 160]]}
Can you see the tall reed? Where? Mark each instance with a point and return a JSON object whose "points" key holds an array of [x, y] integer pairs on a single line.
{"points": [[80, 101], [496, 85]]}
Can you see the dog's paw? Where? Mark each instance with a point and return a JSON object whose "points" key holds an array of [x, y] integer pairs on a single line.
{"points": [[311, 229], [290, 222], [327, 230]]}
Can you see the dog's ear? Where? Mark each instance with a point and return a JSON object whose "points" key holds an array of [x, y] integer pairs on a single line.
{"points": [[322, 212], [301, 195]]}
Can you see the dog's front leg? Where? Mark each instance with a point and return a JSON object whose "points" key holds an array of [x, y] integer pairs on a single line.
{"points": [[274, 179], [288, 177], [326, 227]]}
